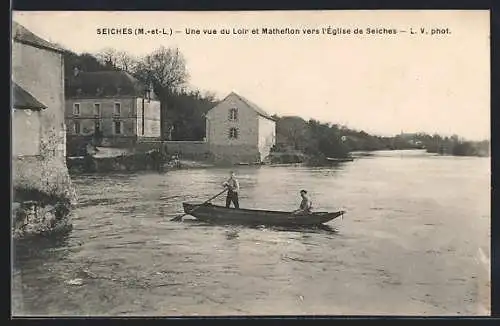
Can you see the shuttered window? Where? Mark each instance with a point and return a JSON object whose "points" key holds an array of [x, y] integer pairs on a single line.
{"points": [[233, 114], [233, 133]]}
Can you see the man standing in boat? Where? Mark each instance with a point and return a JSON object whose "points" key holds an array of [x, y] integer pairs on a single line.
{"points": [[233, 187], [305, 205]]}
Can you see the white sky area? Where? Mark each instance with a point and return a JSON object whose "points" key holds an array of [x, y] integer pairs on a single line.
{"points": [[383, 84]]}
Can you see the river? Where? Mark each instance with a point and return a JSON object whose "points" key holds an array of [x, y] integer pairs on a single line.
{"points": [[415, 240]]}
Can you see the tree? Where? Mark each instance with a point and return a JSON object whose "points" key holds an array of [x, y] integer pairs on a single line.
{"points": [[126, 62], [164, 68], [84, 62], [187, 114], [292, 132], [107, 57]]}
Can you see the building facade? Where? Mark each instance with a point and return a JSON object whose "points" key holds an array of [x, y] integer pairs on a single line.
{"points": [[26, 123], [37, 75], [112, 107], [42, 189], [238, 131]]}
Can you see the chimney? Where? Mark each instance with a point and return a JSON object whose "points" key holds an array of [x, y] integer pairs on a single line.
{"points": [[76, 71], [149, 89]]}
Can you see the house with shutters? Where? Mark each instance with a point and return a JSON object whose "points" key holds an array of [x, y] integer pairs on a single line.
{"points": [[112, 107], [239, 131]]}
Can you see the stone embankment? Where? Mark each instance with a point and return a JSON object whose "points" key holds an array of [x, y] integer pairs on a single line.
{"points": [[42, 197]]}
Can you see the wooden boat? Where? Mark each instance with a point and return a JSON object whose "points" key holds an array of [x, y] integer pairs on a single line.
{"points": [[339, 160], [219, 214]]}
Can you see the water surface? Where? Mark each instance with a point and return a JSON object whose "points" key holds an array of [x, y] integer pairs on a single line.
{"points": [[415, 240]]}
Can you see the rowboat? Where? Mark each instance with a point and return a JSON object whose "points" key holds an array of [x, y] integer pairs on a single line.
{"points": [[220, 214], [339, 160]]}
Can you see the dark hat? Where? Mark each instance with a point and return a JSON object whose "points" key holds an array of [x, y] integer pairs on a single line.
{"points": [[303, 191]]}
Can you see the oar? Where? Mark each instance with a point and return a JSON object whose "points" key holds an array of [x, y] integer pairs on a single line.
{"points": [[179, 217]]}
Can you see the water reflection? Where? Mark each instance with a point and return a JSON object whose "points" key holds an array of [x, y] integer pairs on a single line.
{"points": [[32, 273], [322, 228], [38, 249], [132, 260]]}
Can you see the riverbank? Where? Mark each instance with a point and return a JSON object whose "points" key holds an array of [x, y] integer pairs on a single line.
{"points": [[43, 196], [134, 162], [404, 248]]}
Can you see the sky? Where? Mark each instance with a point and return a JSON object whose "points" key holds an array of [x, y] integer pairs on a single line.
{"points": [[383, 84]]}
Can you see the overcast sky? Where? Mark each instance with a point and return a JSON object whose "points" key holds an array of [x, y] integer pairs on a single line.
{"points": [[383, 84]]}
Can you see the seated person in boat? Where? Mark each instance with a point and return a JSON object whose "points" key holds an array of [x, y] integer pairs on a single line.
{"points": [[233, 187], [305, 205]]}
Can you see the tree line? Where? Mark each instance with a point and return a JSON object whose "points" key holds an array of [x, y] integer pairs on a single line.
{"points": [[183, 111], [321, 140]]}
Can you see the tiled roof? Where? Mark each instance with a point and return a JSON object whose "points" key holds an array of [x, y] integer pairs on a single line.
{"points": [[253, 106], [24, 100], [23, 35], [103, 83]]}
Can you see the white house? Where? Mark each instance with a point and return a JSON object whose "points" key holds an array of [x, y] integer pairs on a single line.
{"points": [[238, 131]]}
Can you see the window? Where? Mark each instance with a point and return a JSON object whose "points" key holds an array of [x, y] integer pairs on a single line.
{"points": [[77, 127], [118, 109], [233, 133], [76, 109], [233, 114], [118, 127], [97, 109]]}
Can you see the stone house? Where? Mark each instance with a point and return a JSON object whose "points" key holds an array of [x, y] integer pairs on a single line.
{"points": [[238, 131], [112, 105], [26, 123], [40, 176]]}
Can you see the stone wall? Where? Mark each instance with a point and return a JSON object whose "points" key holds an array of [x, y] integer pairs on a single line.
{"points": [[219, 124], [42, 195], [42, 190], [234, 154], [40, 72], [27, 140], [189, 149], [255, 134]]}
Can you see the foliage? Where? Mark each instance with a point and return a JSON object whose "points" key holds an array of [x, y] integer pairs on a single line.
{"points": [[84, 62], [183, 111], [323, 140], [187, 114], [165, 68]]}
